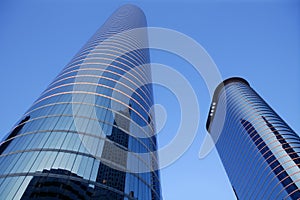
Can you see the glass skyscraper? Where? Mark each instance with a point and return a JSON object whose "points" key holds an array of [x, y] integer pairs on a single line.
{"points": [[259, 151], [84, 136]]}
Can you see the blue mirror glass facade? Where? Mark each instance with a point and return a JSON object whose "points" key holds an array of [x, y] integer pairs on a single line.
{"points": [[259, 151], [90, 135]]}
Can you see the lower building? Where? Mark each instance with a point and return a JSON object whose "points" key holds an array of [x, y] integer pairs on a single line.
{"points": [[259, 151]]}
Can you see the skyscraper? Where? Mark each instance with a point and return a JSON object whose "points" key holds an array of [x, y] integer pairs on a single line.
{"points": [[90, 135], [259, 151]]}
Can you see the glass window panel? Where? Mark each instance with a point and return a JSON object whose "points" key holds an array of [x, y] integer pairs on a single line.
{"points": [[31, 158], [70, 161], [58, 160], [64, 160], [82, 166], [88, 168], [1, 181], [51, 156], [77, 164], [16, 157], [21, 163], [43, 139], [22, 188], [7, 183], [11, 146], [67, 141], [37, 162], [76, 141], [5, 161], [95, 169], [15, 188]]}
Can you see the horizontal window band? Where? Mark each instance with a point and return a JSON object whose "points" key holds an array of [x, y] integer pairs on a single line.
{"points": [[279, 165], [104, 50], [108, 87], [99, 76], [284, 188], [95, 76], [101, 85], [97, 184], [291, 193], [88, 104], [136, 83], [50, 132], [109, 48], [275, 177], [124, 37], [113, 80], [93, 56], [123, 40], [115, 50], [74, 152], [102, 160], [116, 43], [84, 133], [94, 61], [96, 94]]}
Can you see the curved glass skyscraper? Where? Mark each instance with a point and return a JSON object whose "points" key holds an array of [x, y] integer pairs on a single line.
{"points": [[90, 135], [259, 151]]}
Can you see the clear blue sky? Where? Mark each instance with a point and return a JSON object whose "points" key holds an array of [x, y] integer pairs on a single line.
{"points": [[258, 40]]}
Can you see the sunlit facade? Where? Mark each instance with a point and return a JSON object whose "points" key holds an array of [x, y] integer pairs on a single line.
{"points": [[259, 151], [81, 139]]}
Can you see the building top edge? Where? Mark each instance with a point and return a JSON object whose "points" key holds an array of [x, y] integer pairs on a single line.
{"points": [[218, 89]]}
